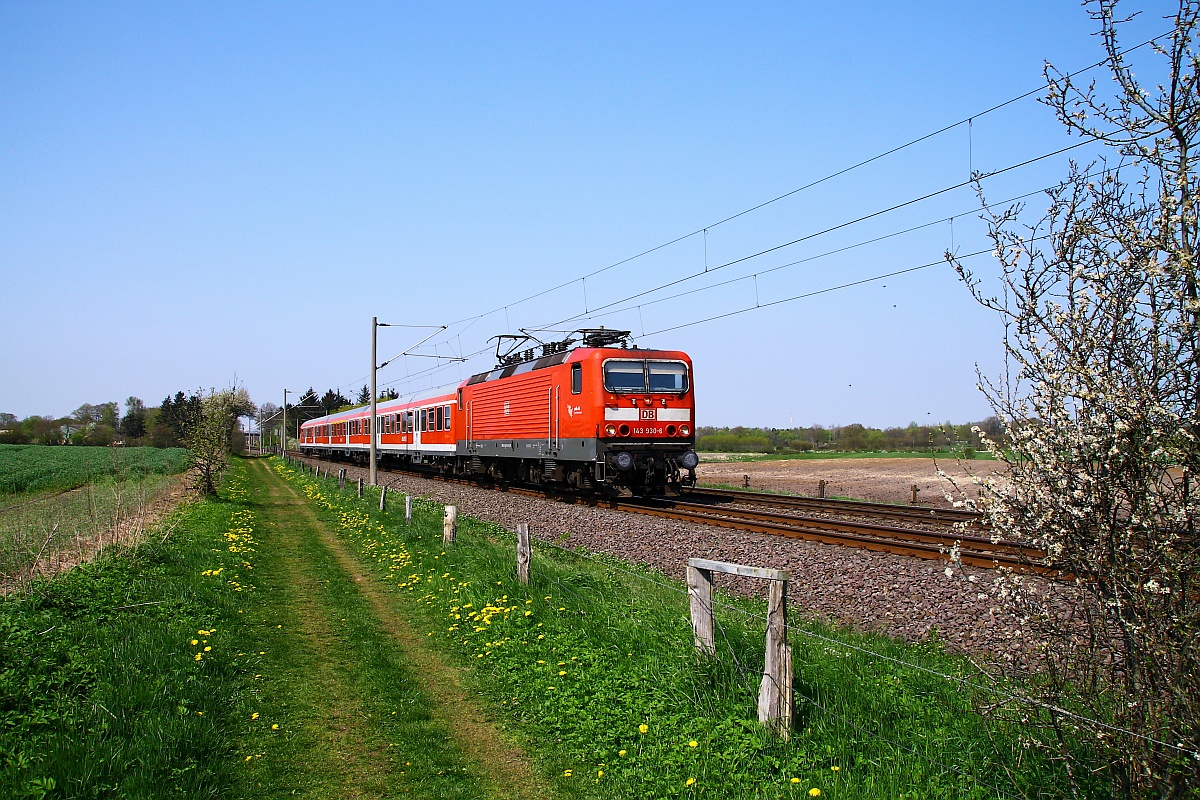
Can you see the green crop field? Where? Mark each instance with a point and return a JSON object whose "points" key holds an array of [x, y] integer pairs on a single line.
{"points": [[28, 468]]}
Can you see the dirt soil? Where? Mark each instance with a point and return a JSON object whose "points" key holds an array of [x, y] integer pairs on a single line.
{"points": [[884, 480]]}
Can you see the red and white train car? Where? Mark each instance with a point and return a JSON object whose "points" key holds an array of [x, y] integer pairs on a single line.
{"points": [[593, 417]]}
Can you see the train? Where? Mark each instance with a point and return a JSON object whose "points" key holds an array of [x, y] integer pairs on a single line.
{"points": [[590, 413]]}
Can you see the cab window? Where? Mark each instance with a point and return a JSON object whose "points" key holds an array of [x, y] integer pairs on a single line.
{"points": [[576, 378], [624, 376], [667, 376]]}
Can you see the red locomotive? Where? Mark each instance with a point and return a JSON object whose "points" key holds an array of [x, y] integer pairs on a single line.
{"points": [[601, 416]]}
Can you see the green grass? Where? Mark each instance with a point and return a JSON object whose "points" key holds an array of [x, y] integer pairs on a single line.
{"points": [[593, 649], [101, 693], [31, 468]]}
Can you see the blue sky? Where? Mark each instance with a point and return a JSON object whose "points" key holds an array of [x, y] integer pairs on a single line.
{"points": [[193, 194]]}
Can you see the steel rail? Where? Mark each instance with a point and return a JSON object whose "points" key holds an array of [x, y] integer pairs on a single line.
{"points": [[919, 513]]}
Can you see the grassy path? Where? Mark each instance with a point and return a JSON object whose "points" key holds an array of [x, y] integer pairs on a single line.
{"points": [[365, 708]]}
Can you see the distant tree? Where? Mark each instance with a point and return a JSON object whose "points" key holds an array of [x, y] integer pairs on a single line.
{"points": [[133, 424], [388, 394], [210, 435], [364, 395], [331, 401], [1101, 304]]}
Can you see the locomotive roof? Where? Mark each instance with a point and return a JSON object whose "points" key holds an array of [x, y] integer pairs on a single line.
{"points": [[558, 358]]}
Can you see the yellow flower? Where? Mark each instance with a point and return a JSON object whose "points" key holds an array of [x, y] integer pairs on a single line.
{"points": [[814, 792], [275, 727], [195, 642], [599, 773], [690, 781], [643, 728], [693, 743], [621, 754], [198, 656], [208, 648], [254, 715], [249, 757], [835, 768], [795, 780], [566, 773], [562, 672]]}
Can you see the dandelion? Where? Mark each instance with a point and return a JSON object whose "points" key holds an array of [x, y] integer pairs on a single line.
{"points": [[249, 757], [562, 672], [275, 727], [690, 781], [795, 780], [814, 792], [599, 773], [566, 773], [693, 743], [198, 656], [254, 716], [836, 768], [195, 642], [643, 728], [207, 649], [621, 753]]}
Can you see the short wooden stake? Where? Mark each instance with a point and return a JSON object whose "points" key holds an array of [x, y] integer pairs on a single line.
{"points": [[523, 553], [914, 492], [383, 498], [775, 694], [360, 487], [342, 478], [699, 583], [408, 509], [821, 488], [450, 525]]}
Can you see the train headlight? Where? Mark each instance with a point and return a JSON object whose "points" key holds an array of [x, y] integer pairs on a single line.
{"points": [[610, 430], [685, 430], [689, 460], [623, 430], [624, 461]]}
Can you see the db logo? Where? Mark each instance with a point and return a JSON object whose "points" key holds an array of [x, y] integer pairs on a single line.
{"points": [[648, 413]]}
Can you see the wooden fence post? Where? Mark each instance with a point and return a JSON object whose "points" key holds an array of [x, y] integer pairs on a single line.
{"points": [[914, 492], [821, 488], [408, 509], [450, 525], [342, 478], [360, 484], [699, 583], [523, 553], [383, 498], [775, 694]]}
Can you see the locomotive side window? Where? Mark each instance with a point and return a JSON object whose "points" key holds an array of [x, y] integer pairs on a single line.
{"points": [[667, 376], [576, 378], [624, 376], [446, 414]]}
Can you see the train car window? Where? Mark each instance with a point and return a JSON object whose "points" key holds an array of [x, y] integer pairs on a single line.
{"points": [[625, 376], [446, 411], [423, 421], [667, 376], [576, 378], [441, 418]]}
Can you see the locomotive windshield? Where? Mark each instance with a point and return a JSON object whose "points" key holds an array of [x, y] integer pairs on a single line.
{"points": [[627, 375]]}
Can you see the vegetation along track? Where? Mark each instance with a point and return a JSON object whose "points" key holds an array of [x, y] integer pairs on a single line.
{"points": [[847, 523]]}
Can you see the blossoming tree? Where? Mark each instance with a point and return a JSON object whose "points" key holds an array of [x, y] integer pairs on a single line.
{"points": [[1101, 304]]}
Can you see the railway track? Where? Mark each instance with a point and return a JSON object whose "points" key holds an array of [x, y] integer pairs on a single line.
{"points": [[917, 514], [864, 525]]}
